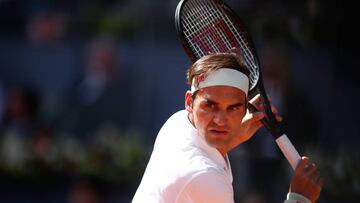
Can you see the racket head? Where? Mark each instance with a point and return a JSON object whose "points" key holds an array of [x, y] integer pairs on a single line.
{"points": [[211, 26]]}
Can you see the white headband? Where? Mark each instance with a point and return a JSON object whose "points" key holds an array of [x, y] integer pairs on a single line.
{"points": [[222, 77]]}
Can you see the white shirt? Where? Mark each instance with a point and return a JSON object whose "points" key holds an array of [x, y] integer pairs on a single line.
{"points": [[183, 168]]}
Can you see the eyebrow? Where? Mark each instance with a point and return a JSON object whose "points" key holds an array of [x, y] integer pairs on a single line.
{"points": [[209, 101], [236, 104]]}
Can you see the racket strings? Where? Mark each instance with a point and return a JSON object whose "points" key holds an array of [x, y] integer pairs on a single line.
{"points": [[192, 25], [206, 17], [197, 23], [227, 45], [216, 22], [213, 20], [248, 56], [215, 39]]}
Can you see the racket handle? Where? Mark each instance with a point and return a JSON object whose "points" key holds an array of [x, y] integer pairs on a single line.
{"points": [[288, 149]]}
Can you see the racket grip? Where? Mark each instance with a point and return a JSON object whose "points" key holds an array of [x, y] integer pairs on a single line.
{"points": [[288, 149]]}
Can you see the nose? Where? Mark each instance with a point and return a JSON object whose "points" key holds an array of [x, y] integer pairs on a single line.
{"points": [[220, 118]]}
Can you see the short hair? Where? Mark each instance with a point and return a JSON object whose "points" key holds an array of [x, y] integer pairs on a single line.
{"points": [[212, 62]]}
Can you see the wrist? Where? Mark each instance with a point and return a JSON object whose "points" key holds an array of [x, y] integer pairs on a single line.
{"points": [[298, 198]]}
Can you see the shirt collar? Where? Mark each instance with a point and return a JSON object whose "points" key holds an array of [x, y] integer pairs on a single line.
{"points": [[213, 153]]}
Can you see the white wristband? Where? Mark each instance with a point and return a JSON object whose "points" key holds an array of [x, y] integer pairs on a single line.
{"points": [[293, 197]]}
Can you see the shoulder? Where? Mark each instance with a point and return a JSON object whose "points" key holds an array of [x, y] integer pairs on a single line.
{"points": [[179, 116], [174, 131]]}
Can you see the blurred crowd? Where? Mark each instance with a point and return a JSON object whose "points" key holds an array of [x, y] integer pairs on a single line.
{"points": [[80, 107], [84, 135]]}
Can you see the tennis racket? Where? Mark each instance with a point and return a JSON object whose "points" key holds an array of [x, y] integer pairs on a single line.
{"points": [[211, 26]]}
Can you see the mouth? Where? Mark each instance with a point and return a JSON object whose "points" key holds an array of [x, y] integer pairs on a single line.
{"points": [[219, 132]]}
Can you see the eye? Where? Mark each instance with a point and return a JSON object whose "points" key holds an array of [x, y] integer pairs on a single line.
{"points": [[236, 107], [209, 105]]}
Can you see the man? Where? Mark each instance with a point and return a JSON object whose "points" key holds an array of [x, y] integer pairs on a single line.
{"points": [[189, 162]]}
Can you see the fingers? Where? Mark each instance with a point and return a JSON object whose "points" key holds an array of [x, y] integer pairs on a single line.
{"points": [[254, 117], [315, 180], [274, 110], [257, 116], [252, 121], [302, 164], [309, 170], [313, 173], [318, 179], [256, 101], [307, 180]]}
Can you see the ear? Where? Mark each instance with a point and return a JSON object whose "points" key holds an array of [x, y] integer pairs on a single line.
{"points": [[188, 101]]}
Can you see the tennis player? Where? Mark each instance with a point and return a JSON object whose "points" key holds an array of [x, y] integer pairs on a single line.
{"points": [[189, 162]]}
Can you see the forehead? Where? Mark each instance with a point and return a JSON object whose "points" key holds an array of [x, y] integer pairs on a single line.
{"points": [[222, 93]]}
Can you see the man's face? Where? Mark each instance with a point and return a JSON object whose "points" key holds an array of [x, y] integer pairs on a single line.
{"points": [[217, 113]]}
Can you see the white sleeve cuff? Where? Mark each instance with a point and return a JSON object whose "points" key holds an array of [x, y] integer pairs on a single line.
{"points": [[296, 198]]}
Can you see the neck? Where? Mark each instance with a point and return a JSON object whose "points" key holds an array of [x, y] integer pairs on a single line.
{"points": [[222, 152], [191, 120]]}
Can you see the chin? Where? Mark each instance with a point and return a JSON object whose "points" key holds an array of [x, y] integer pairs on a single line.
{"points": [[217, 143]]}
